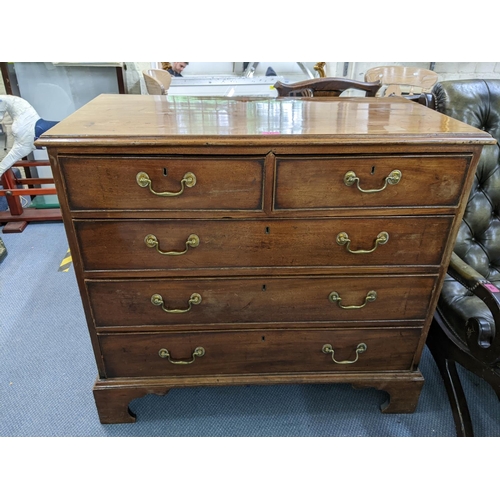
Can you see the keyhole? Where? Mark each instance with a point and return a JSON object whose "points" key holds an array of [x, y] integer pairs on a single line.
{"points": [[267, 230], [373, 169], [165, 172], [263, 288], [263, 338]]}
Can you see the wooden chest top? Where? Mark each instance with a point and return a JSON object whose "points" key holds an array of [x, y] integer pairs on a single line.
{"points": [[162, 120]]}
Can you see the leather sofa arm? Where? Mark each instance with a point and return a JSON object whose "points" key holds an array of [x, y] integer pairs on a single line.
{"points": [[465, 274], [425, 98], [481, 333]]}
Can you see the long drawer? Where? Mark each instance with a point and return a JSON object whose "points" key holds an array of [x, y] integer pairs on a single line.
{"points": [[149, 355], [395, 181], [206, 244], [135, 302], [128, 183]]}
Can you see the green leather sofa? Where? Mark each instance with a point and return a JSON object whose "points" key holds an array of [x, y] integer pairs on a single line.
{"points": [[466, 326]]}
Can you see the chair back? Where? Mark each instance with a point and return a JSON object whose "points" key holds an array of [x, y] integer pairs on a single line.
{"points": [[163, 76], [325, 87], [397, 80], [153, 85]]}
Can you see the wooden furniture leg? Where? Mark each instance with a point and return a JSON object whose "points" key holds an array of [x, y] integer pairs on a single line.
{"points": [[112, 402], [458, 403], [403, 394], [445, 351]]}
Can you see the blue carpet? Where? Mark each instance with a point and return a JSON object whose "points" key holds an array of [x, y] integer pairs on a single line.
{"points": [[48, 370]]}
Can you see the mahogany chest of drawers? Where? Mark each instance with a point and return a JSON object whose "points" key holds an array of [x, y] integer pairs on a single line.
{"points": [[259, 241]]}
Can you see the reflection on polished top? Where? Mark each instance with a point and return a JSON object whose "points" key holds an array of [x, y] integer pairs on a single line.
{"points": [[163, 119]]}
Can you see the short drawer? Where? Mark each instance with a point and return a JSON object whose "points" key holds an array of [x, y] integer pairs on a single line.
{"points": [[315, 299], [204, 353], [369, 181], [128, 183], [121, 245]]}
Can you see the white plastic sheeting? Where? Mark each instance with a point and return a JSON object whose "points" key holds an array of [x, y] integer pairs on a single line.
{"points": [[24, 118]]}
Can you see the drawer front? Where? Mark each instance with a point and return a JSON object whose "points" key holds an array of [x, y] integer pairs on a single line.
{"points": [[136, 355], [318, 183], [136, 244], [111, 183], [134, 303]]}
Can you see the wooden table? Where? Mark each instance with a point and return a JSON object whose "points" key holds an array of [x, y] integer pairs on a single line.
{"points": [[259, 241]]}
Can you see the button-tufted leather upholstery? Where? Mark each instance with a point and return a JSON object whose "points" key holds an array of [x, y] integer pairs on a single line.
{"points": [[476, 102], [466, 326]]}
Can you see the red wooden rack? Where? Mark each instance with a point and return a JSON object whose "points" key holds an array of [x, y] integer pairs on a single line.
{"points": [[17, 217]]}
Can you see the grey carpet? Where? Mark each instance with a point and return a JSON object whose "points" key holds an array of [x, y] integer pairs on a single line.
{"points": [[47, 372]]}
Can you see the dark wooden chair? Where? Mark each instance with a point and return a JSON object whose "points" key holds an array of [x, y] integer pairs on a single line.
{"points": [[466, 325], [325, 87]]}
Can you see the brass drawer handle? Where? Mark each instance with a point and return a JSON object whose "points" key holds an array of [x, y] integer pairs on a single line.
{"points": [[199, 351], [343, 238], [152, 242], [370, 297], [328, 349], [393, 178], [157, 300], [188, 180]]}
